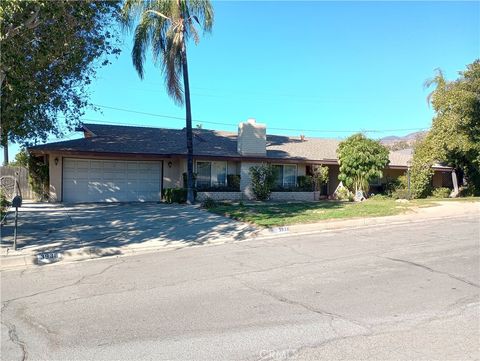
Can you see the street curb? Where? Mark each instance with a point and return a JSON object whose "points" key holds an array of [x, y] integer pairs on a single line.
{"points": [[12, 262], [366, 224], [91, 253]]}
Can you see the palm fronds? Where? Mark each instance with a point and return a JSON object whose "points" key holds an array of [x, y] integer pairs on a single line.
{"points": [[165, 26]]}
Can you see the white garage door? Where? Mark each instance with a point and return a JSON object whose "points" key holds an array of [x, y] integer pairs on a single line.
{"points": [[92, 180]]}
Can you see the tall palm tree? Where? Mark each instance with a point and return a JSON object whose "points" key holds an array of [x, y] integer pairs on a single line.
{"points": [[165, 26]]}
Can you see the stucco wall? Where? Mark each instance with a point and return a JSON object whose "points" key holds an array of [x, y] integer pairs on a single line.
{"points": [[55, 175], [172, 176]]}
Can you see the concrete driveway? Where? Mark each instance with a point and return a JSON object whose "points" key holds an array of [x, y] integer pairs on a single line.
{"points": [[56, 227]]}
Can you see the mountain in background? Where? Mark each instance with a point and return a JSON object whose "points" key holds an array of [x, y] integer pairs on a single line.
{"points": [[394, 142]]}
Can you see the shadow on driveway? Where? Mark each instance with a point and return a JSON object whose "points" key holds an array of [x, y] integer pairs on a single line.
{"points": [[44, 226]]}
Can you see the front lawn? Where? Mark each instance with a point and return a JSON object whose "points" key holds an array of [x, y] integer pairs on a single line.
{"points": [[281, 214]]}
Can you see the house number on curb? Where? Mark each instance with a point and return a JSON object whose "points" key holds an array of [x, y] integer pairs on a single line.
{"points": [[279, 230], [48, 257]]}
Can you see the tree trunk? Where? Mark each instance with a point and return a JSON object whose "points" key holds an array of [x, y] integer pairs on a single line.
{"points": [[4, 143], [188, 111], [5, 153]]}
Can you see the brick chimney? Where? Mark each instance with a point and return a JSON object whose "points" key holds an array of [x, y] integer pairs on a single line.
{"points": [[252, 138]]}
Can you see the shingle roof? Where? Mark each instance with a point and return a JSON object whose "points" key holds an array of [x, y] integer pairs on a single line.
{"points": [[401, 157], [162, 141]]}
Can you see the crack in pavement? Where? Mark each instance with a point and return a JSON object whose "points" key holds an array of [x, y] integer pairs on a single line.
{"points": [[13, 336], [434, 271], [371, 333], [133, 288], [12, 330], [33, 322], [80, 280], [283, 299]]}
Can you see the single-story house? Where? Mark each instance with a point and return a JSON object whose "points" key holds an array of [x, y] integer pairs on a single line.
{"points": [[114, 163]]}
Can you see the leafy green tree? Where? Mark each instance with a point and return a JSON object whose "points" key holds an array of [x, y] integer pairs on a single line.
{"points": [[262, 180], [164, 27], [454, 137], [361, 160], [421, 170], [455, 132], [21, 159], [50, 53]]}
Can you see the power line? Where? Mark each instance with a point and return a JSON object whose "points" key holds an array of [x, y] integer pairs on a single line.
{"points": [[159, 115], [272, 128]]}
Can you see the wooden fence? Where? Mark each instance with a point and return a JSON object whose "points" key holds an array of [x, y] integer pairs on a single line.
{"points": [[21, 174]]}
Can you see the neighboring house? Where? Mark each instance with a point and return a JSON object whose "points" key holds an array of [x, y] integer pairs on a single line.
{"points": [[122, 163]]}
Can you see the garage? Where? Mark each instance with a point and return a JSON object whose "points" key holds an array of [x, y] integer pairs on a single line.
{"points": [[96, 180]]}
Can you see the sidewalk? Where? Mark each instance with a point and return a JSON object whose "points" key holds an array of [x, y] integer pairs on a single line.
{"points": [[29, 257], [445, 209]]}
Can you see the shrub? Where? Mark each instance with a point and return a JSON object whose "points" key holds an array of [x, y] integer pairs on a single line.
{"points": [[391, 185], [38, 177], [400, 193], [4, 204], [263, 179], [441, 192], [397, 188], [468, 191], [209, 203], [344, 194], [176, 195], [305, 183], [233, 181]]}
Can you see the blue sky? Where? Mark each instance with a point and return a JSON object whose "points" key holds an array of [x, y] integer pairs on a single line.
{"points": [[327, 68]]}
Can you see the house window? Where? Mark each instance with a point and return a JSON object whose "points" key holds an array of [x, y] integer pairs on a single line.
{"points": [[204, 171], [285, 175], [211, 174]]}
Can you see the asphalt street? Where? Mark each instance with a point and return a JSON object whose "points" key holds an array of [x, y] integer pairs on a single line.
{"points": [[403, 292]]}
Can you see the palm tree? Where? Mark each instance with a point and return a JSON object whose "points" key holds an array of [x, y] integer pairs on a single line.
{"points": [[166, 26]]}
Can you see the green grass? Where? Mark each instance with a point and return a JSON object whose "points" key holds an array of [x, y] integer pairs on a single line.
{"points": [[281, 214]]}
